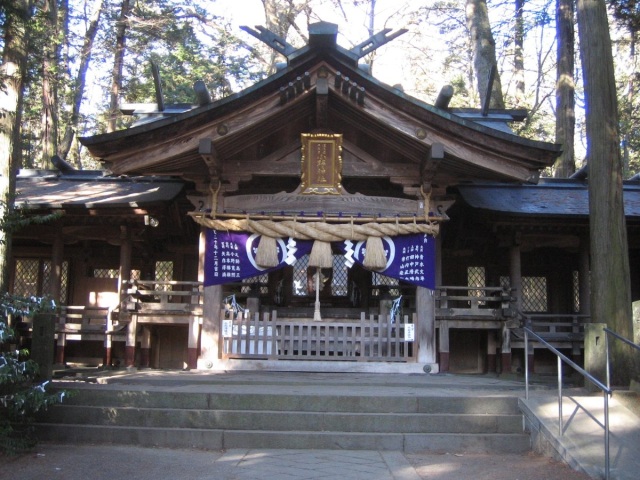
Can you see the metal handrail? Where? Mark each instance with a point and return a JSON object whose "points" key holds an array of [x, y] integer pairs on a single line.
{"points": [[619, 337], [606, 390]]}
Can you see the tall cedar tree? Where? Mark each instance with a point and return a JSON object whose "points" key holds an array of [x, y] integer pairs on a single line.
{"points": [[484, 51], [12, 74], [610, 281], [565, 88], [122, 27]]}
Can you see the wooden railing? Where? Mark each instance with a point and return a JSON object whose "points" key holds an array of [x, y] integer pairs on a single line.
{"points": [[152, 301], [560, 330], [366, 339], [475, 302], [78, 322], [164, 302]]}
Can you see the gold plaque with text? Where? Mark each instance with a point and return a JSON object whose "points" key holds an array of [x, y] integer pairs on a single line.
{"points": [[321, 164]]}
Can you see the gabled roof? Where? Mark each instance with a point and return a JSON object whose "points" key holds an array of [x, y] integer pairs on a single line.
{"points": [[91, 189], [387, 134], [550, 198]]}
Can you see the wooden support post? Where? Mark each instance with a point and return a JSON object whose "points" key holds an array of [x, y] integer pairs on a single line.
{"points": [[57, 257], [210, 338], [492, 345], [108, 339], [123, 279], [515, 280], [145, 347], [506, 349], [443, 338], [130, 346], [531, 360], [192, 347], [426, 329], [61, 342]]}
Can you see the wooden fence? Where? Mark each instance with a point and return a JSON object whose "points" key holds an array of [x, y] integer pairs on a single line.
{"points": [[376, 338]]}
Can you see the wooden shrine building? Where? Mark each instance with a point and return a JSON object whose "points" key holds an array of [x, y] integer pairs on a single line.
{"points": [[317, 220]]}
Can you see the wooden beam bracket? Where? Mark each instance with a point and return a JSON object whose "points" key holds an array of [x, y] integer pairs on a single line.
{"points": [[207, 151]]}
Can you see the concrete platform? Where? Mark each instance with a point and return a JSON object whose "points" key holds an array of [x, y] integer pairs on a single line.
{"points": [[581, 446], [581, 443]]}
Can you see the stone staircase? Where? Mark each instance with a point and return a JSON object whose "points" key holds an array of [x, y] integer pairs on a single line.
{"points": [[324, 415]]}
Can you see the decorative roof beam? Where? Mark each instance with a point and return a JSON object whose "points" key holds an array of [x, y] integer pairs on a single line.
{"points": [[376, 41], [270, 39]]}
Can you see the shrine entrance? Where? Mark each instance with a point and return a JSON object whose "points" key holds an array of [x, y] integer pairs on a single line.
{"points": [[319, 297]]}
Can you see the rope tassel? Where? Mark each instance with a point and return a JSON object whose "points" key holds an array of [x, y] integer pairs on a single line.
{"points": [[374, 258], [267, 254], [320, 255]]}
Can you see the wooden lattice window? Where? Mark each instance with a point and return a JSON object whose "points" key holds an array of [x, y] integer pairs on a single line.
{"points": [[163, 273], [106, 273], [339, 277], [260, 280], [33, 276], [27, 277], [391, 285], [476, 277], [576, 291], [534, 294]]}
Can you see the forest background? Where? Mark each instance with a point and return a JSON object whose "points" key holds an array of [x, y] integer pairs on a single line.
{"points": [[85, 57]]}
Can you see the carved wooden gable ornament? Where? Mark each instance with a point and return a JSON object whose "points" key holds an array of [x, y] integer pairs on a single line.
{"points": [[321, 164]]}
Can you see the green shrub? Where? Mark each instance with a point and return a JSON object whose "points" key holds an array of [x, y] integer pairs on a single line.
{"points": [[22, 394]]}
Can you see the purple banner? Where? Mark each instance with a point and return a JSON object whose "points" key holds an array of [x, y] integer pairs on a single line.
{"points": [[231, 257], [410, 258]]}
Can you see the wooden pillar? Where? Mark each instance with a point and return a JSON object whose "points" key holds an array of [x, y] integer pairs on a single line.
{"points": [[443, 337], [492, 345], [145, 347], [192, 347], [438, 278], [532, 357], [61, 342], [57, 257], [130, 345], [212, 304], [55, 287], [426, 329], [125, 275], [515, 280], [108, 339]]}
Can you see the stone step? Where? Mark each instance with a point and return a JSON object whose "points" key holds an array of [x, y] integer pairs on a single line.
{"points": [[297, 402], [301, 416], [273, 420], [214, 439]]}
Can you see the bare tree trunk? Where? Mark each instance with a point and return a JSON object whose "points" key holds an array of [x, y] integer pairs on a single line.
{"points": [[565, 89], [79, 82], [12, 71], [118, 63], [610, 287], [50, 64], [484, 48], [280, 17], [518, 60], [631, 91]]}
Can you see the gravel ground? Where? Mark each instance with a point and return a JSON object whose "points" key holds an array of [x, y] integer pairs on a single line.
{"points": [[50, 462]]}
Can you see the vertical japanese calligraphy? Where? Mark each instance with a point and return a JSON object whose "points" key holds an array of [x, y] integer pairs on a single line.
{"points": [[321, 164]]}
